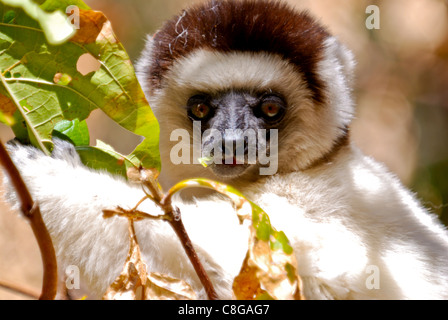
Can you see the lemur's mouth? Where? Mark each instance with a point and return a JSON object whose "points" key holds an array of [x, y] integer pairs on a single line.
{"points": [[231, 161], [229, 166]]}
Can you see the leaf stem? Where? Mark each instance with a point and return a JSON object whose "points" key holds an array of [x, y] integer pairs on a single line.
{"points": [[31, 211]]}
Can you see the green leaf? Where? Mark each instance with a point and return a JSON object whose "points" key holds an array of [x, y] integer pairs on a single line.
{"points": [[264, 296], [44, 84], [74, 131], [52, 5], [9, 16], [290, 272], [269, 270], [263, 228], [104, 157], [99, 159], [55, 25], [260, 219], [265, 232], [130, 161], [4, 119], [280, 241]]}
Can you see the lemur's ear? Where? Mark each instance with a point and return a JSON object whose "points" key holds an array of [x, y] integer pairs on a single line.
{"points": [[343, 56], [336, 69]]}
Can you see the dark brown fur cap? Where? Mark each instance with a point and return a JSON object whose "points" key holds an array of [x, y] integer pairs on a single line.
{"points": [[242, 25]]}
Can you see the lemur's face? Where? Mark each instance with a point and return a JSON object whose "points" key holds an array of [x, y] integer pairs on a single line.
{"points": [[236, 127], [259, 93]]}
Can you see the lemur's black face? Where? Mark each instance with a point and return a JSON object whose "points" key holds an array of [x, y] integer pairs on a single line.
{"points": [[236, 127]]}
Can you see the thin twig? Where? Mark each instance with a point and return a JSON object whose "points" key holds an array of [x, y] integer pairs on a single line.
{"points": [[31, 211], [179, 228], [173, 217], [133, 214], [29, 292]]}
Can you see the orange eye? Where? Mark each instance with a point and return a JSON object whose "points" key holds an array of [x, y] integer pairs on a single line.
{"points": [[270, 109], [200, 110]]}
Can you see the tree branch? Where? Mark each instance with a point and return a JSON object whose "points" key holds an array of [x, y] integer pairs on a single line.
{"points": [[178, 226], [29, 292], [32, 212], [173, 217]]}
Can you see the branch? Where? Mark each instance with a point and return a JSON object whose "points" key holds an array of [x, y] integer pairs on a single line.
{"points": [[32, 212], [173, 217], [178, 226], [29, 292]]}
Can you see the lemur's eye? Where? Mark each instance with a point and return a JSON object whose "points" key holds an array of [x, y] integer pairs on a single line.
{"points": [[199, 107], [271, 108], [200, 110]]}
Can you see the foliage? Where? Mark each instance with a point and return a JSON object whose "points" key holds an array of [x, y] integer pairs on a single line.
{"points": [[42, 84], [45, 93]]}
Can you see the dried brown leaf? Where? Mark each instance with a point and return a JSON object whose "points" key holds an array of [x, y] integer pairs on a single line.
{"points": [[246, 286], [142, 175], [163, 287], [267, 273], [129, 285], [7, 106], [91, 23], [134, 282]]}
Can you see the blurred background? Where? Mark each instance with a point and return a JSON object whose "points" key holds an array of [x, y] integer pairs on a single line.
{"points": [[401, 90]]}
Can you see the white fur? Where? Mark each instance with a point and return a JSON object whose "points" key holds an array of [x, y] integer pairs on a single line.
{"points": [[340, 219], [71, 198], [343, 217], [310, 131]]}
